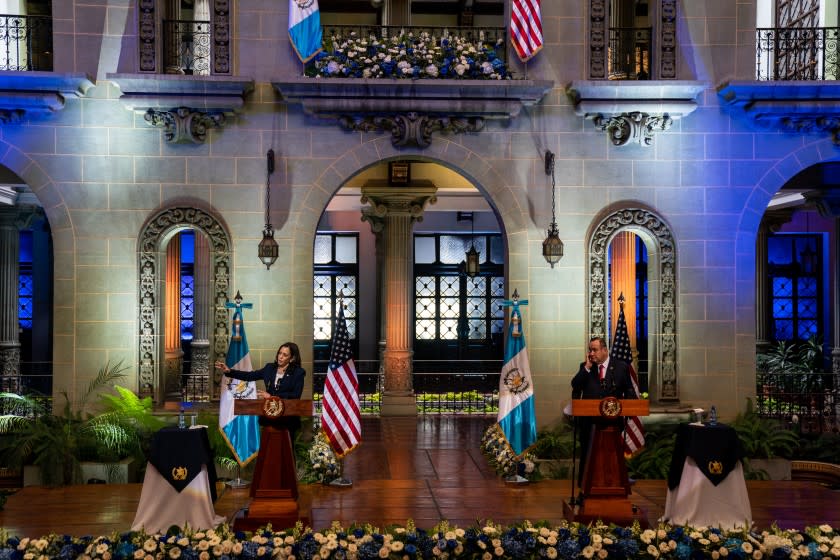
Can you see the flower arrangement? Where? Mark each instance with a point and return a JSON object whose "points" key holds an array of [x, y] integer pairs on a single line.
{"points": [[323, 459], [501, 457], [486, 541], [408, 56]]}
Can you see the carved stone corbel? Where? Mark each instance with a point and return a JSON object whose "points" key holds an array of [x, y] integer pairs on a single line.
{"points": [[411, 127], [183, 124], [636, 127]]}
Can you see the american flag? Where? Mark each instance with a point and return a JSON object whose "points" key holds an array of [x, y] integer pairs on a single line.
{"points": [[634, 432], [526, 28], [341, 418]]}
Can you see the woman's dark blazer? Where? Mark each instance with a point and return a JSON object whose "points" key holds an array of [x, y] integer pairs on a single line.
{"points": [[290, 387]]}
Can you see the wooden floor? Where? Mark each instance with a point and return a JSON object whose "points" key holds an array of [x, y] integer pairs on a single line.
{"points": [[424, 469]]}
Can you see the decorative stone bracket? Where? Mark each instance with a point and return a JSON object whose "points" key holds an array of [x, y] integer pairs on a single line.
{"points": [[411, 127], [799, 107], [633, 112], [186, 107], [37, 94], [183, 124], [412, 110]]}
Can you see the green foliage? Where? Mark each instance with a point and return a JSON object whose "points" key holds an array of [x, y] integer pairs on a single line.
{"points": [[555, 442], [654, 460], [764, 438], [824, 447], [58, 442]]}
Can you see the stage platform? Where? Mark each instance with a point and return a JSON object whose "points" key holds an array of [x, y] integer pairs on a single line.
{"points": [[425, 469]]}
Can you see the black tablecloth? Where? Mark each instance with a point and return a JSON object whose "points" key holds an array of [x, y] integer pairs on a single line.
{"points": [[179, 453], [716, 450]]}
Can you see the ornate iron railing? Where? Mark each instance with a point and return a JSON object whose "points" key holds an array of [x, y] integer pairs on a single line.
{"points": [[464, 387], [26, 43], [489, 36], [629, 53], [186, 47], [811, 400], [784, 54]]}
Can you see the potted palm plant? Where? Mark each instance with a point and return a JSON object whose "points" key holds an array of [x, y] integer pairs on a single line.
{"points": [[58, 441]]}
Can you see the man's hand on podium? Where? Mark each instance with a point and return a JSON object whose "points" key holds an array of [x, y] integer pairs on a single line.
{"points": [[263, 394]]}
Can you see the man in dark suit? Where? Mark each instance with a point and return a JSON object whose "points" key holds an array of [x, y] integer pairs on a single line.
{"points": [[597, 378]]}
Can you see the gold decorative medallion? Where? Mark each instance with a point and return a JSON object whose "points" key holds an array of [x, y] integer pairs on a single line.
{"points": [[715, 467], [273, 407], [179, 473], [610, 407]]}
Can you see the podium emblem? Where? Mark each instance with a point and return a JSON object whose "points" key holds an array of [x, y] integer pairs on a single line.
{"points": [[273, 407], [715, 467], [610, 407]]}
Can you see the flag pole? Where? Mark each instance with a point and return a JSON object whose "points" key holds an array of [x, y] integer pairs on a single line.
{"points": [[340, 480]]}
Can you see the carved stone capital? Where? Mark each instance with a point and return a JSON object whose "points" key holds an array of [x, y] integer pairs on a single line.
{"points": [[376, 223], [184, 124], [386, 200], [411, 128], [636, 127]]}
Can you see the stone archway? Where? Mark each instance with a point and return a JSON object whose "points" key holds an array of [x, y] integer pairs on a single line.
{"points": [[151, 268], [662, 290]]}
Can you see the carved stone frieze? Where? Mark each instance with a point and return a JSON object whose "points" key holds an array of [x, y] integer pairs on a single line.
{"points": [[665, 326], [787, 106], [412, 110], [220, 29], [637, 127], [9, 365], [668, 40], [184, 125], [412, 127], [146, 30], [598, 34], [152, 272]]}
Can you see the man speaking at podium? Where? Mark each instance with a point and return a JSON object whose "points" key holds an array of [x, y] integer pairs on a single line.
{"points": [[597, 378]]}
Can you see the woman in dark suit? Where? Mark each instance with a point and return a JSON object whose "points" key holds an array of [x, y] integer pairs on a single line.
{"points": [[283, 378]]}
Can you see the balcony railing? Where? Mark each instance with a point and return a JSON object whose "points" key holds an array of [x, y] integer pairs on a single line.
{"points": [[26, 43], [784, 54], [629, 53], [186, 47], [455, 387], [811, 400]]}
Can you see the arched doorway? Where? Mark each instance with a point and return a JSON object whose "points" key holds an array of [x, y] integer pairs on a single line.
{"points": [[152, 243], [661, 291], [454, 319]]}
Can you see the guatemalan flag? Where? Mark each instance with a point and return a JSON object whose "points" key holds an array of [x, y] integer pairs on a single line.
{"points": [[242, 433], [517, 418], [305, 28]]}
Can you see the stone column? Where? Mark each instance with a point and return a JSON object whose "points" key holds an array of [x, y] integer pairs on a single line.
{"points": [[397, 12], [200, 345], [9, 271], [174, 361], [399, 207], [376, 226]]}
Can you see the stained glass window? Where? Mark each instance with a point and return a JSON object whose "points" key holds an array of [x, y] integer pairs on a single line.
{"points": [[450, 306], [795, 267], [26, 286], [336, 278]]}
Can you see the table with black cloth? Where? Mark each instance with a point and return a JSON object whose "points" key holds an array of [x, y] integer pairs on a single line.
{"points": [[706, 479], [180, 482]]}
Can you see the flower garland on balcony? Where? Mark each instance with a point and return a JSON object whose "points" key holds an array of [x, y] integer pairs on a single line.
{"points": [[407, 56]]}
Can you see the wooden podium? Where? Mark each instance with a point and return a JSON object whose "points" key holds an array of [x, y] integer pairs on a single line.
{"points": [[605, 481], [274, 491]]}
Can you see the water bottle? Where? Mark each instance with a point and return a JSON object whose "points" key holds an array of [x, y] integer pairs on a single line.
{"points": [[713, 416], [181, 423]]}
